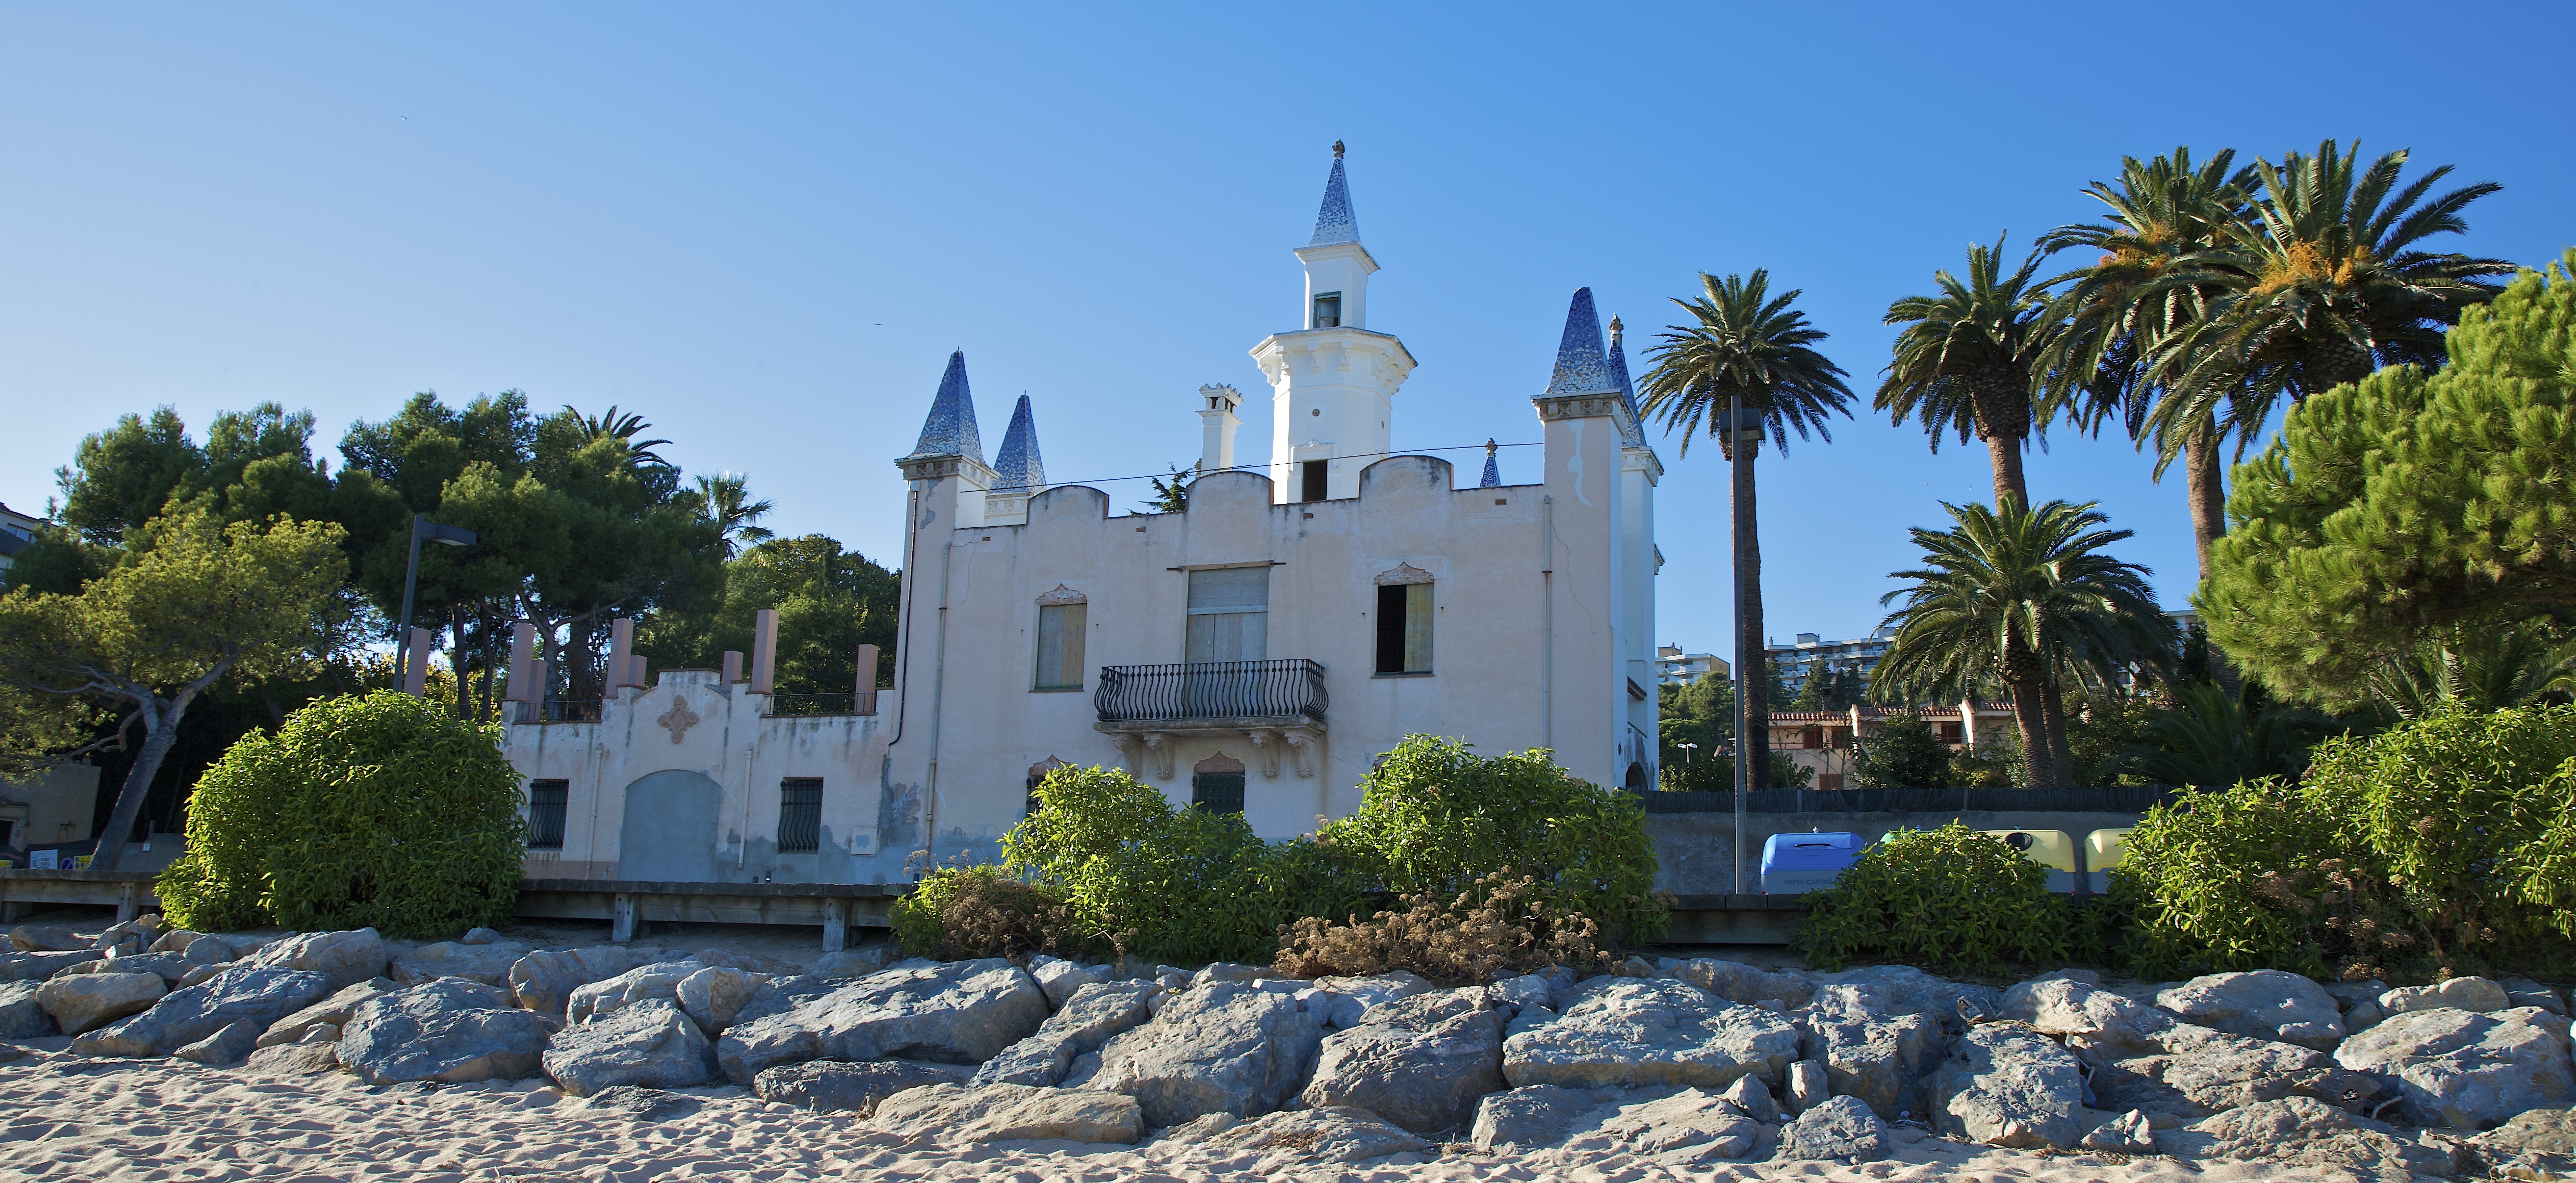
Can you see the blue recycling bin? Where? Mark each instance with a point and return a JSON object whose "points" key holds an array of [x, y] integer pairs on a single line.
{"points": [[1794, 864]]}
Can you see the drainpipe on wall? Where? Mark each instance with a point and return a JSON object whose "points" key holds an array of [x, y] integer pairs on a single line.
{"points": [[938, 688], [1547, 623]]}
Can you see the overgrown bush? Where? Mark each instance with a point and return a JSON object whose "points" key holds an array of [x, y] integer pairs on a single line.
{"points": [[378, 811], [1435, 817], [958, 913], [1138, 875], [1497, 927], [1951, 897], [2430, 849]]}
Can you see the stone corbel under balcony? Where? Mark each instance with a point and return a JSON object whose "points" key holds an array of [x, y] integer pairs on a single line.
{"points": [[1148, 746]]}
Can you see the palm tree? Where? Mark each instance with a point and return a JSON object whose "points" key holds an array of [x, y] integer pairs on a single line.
{"points": [[1965, 359], [729, 506], [623, 428], [2478, 669], [1744, 343], [2020, 595], [2323, 283], [2147, 286], [2211, 740]]}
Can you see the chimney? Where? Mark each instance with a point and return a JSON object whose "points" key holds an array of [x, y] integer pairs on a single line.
{"points": [[621, 645], [764, 651], [527, 679], [866, 703], [732, 666]]}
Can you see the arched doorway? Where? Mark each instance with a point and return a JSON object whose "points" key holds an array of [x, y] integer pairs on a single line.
{"points": [[671, 829], [1637, 777]]}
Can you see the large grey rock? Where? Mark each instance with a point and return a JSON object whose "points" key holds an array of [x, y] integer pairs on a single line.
{"points": [[1350, 999], [1537, 1115], [2483, 995], [2007, 1085], [485, 962], [37, 967], [963, 1113], [294, 1059], [543, 981], [332, 1012], [649, 1044], [2468, 1070], [2088, 1017], [253, 995], [605, 997], [1688, 1118], [2540, 1144], [1334, 1133], [1807, 1086], [81, 1002], [1087, 1019], [963, 1012], [2525, 992], [1880, 1059], [1735, 981], [2189, 1072], [777, 996], [1905, 990], [2305, 1132], [2130, 1133], [1059, 978], [851, 963], [1841, 1128], [175, 940], [1231, 971], [47, 938], [173, 967], [223, 1049], [20, 1016], [1751, 1098], [450, 1030], [1422, 1063], [346, 958], [829, 1085], [1226, 1047], [1625, 1031], [209, 951], [2260, 1004], [714, 996]]}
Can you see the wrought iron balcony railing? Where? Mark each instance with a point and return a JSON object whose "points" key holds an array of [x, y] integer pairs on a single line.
{"points": [[1205, 690]]}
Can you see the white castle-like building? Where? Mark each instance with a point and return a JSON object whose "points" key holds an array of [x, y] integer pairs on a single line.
{"points": [[1256, 651]]}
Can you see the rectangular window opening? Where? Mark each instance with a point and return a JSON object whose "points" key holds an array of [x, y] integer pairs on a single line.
{"points": [[1404, 628], [1328, 311], [547, 800], [1217, 792], [800, 815], [1229, 615], [1060, 632], [1311, 477]]}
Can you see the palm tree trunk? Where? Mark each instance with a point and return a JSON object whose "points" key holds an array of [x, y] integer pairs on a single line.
{"points": [[2003, 453], [2061, 751], [2207, 493], [1756, 743], [2031, 719]]}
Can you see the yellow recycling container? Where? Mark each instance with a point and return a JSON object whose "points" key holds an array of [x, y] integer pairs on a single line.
{"points": [[2053, 849], [2103, 850]]}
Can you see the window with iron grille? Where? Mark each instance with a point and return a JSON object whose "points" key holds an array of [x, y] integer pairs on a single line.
{"points": [[546, 802], [800, 815], [1217, 792]]}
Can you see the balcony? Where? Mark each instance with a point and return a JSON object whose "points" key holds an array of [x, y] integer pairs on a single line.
{"points": [[1274, 704]]}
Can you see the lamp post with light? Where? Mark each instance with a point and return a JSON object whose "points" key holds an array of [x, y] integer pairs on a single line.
{"points": [[421, 528]]}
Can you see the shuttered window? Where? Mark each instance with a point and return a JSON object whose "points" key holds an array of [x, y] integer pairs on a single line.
{"points": [[547, 800], [1060, 631], [1229, 614], [1404, 628], [800, 815]]}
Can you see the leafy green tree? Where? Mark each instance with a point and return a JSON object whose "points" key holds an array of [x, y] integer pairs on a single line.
{"points": [[829, 603], [2107, 723], [2212, 739], [1744, 343], [376, 811], [195, 602], [729, 506], [1171, 492], [1950, 897], [1700, 712], [1966, 359], [2020, 595], [1901, 752], [2408, 503], [1831, 687], [119, 479]]}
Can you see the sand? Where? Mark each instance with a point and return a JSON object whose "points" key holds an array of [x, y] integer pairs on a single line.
{"points": [[65, 1117]]}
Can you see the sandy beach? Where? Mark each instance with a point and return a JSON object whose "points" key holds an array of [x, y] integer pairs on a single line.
{"points": [[65, 1117]]}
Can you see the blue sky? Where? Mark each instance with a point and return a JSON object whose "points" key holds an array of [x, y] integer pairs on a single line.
{"points": [[765, 227]]}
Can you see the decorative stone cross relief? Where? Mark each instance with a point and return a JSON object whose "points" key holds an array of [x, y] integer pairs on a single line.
{"points": [[679, 718]]}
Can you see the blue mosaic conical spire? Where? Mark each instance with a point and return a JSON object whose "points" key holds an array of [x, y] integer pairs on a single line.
{"points": [[1634, 435], [950, 429], [1493, 475], [1018, 463], [1580, 366], [1335, 223]]}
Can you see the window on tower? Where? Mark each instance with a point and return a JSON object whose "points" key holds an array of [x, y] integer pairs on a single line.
{"points": [[1328, 311], [1311, 476]]}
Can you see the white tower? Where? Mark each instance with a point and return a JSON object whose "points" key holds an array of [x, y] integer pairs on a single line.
{"points": [[1333, 381]]}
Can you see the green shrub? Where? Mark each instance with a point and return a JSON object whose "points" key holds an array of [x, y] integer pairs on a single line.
{"points": [[2433, 848], [960, 913], [1950, 897], [378, 811], [1496, 928], [1434, 818], [1141, 876]]}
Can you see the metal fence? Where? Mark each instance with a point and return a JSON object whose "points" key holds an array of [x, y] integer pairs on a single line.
{"points": [[560, 710], [844, 703], [1277, 689], [2099, 799]]}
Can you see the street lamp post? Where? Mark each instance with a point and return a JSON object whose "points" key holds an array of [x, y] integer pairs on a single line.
{"points": [[1740, 473], [421, 528]]}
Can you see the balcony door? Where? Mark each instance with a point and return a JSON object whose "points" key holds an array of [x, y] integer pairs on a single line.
{"points": [[1229, 623]]}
